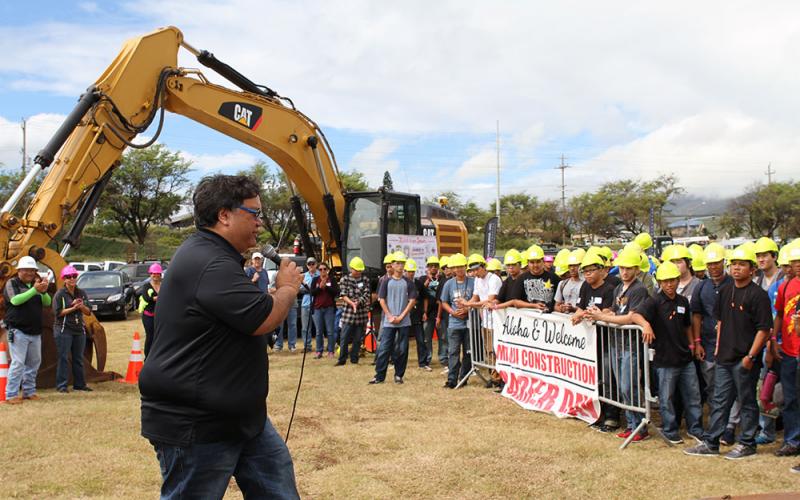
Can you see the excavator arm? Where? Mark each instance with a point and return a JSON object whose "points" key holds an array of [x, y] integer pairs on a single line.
{"points": [[139, 85]]}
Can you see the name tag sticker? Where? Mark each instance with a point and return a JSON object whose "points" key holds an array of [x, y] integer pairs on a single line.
{"points": [[598, 300], [681, 310], [622, 308], [361, 285]]}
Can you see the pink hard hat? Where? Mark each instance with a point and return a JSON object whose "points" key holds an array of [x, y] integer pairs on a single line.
{"points": [[155, 269], [549, 258], [68, 271]]}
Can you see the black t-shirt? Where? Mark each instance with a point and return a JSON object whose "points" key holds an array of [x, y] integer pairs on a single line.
{"points": [[419, 305], [742, 312], [504, 295], [431, 292], [601, 297], [206, 376], [613, 280], [669, 319], [539, 289], [630, 299]]}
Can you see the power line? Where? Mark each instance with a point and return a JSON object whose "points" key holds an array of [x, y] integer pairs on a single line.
{"points": [[769, 173], [563, 167]]}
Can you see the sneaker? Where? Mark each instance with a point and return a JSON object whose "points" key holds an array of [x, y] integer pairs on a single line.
{"points": [[62, 390], [608, 429], [740, 451], [339, 363], [398, 380], [728, 437], [278, 349], [701, 450], [426, 368], [330, 354], [448, 385], [84, 389], [698, 439], [445, 371], [625, 434], [318, 356], [644, 436], [795, 469], [292, 350], [787, 450], [32, 397], [375, 381], [671, 439], [596, 425], [762, 439], [17, 400]]}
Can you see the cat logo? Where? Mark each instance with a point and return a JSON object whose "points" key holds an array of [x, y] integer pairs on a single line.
{"points": [[242, 113]]}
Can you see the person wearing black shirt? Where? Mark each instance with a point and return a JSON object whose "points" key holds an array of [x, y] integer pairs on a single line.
{"points": [[595, 293], [442, 318], [669, 315], [513, 270], [536, 287], [430, 283], [744, 319], [205, 383]]}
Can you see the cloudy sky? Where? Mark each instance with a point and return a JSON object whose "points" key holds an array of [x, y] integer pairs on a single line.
{"points": [[705, 90]]}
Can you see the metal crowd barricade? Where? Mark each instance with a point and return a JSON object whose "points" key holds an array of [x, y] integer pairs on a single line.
{"points": [[623, 361], [481, 344]]}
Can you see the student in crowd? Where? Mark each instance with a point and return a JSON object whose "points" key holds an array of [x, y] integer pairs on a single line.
{"points": [[306, 321], [744, 320], [355, 292], [456, 292], [787, 326], [442, 318], [324, 291], [568, 292], [416, 328], [430, 287], [69, 306], [536, 287]]}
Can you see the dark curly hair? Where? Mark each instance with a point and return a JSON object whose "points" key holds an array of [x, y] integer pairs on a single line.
{"points": [[216, 192]]}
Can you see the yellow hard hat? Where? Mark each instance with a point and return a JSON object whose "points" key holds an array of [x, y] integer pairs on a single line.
{"points": [[783, 256], [667, 271], [643, 240], [592, 259], [698, 258], [632, 247], [560, 270], [581, 253], [714, 252], [399, 257], [388, 259], [563, 254], [750, 245], [644, 263], [357, 264], [432, 260], [457, 260], [765, 245], [511, 257], [743, 252], [674, 252], [575, 258], [628, 258], [535, 252], [411, 265], [494, 265], [444, 261], [476, 260], [607, 254], [794, 252]]}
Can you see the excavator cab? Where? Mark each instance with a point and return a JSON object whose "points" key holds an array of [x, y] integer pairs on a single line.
{"points": [[369, 218]]}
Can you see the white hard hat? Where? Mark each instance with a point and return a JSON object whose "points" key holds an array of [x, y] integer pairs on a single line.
{"points": [[27, 263]]}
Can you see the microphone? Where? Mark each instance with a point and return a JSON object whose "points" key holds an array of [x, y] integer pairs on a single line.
{"points": [[270, 253]]}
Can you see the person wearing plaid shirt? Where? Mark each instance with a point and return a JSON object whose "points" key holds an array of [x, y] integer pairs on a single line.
{"points": [[354, 291]]}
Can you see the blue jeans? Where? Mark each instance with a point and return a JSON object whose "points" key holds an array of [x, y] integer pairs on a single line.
{"points": [[262, 467], [323, 321], [441, 333], [26, 356], [625, 362], [419, 337], [733, 382], [291, 320], [69, 345], [428, 328], [683, 379], [791, 409], [387, 347], [350, 333], [459, 362], [307, 325], [337, 321]]}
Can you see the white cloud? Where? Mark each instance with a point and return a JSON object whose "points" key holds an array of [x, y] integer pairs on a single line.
{"points": [[227, 163], [40, 128], [374, 160]]}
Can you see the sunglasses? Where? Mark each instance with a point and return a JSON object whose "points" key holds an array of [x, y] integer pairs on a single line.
{"points": [[257, 213], [71, 277]]}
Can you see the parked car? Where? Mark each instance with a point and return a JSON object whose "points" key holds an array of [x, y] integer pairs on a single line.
{"points": [[110, 292], [138, 274], [82, 267]]}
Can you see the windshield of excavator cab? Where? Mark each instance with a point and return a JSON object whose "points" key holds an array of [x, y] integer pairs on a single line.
{"points": [[364, 231]]}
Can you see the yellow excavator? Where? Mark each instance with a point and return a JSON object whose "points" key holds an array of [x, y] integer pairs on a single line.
{"points": [[137, 88]]}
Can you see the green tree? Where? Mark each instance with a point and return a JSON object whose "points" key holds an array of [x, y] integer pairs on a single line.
{"points": [[629, 201], [278, 220], [473, 216], [353, 181], [387, 181], [765, 210], [146, 189]]}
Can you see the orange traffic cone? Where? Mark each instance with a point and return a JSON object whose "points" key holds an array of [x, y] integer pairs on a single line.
{"points": [[135, 362], [3, 371]]}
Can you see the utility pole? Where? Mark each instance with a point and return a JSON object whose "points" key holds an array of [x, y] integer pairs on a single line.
{"points": [[497, 197], [563, 167], [24, 146], [769, 173]]}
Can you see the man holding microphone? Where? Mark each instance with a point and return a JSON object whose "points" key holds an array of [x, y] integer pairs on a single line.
{"points": [[204, 386]]}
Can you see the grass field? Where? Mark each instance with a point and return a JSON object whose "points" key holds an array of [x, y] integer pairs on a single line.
{"points": [[351, 440]]}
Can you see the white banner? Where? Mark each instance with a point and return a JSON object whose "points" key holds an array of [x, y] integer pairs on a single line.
{"points": [[418, 247], [547, 363]]}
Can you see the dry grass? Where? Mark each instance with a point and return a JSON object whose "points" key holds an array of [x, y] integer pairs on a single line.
{"points": [[351, 440]]}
